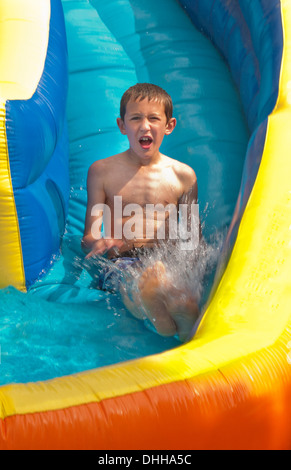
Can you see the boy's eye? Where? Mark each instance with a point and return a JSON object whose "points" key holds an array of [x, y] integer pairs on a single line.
{"points": [[154, 119], [151, 118]]}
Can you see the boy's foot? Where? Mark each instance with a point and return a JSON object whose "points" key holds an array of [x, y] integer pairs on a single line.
{"points": [[169, 309]]}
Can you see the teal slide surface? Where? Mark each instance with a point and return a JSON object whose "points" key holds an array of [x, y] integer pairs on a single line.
{"points": [[111, 46]]}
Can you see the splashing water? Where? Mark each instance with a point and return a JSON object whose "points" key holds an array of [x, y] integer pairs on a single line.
{"points": [[190, 271]]}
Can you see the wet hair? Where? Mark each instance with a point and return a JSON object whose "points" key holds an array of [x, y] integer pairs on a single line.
{"points": [[141, 91]]}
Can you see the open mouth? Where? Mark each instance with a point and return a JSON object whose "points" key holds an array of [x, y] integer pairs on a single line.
{"points": [[145, 142]]}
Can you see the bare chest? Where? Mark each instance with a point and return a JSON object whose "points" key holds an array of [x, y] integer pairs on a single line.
{"points": [[143, 188]]}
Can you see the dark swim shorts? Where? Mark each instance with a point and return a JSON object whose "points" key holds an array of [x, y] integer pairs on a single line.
{"points": [[112, 274], [115, 271]]}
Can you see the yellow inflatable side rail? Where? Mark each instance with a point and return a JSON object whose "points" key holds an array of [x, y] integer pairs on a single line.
{"points": [[230, 387]]}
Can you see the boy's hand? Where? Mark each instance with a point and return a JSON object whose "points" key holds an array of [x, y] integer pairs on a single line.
{"points": [[102, 246]]}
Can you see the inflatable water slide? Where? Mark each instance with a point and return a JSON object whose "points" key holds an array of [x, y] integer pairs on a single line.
{"points": [[227, 65]]}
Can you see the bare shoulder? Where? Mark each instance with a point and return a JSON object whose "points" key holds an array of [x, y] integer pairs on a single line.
{"points": [[184, 173], [101, 167]]}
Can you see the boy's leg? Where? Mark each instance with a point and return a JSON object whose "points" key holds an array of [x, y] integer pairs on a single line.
{"points": [[171, 310], [156, 310]]}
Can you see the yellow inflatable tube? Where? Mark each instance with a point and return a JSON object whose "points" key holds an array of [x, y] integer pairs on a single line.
{"points": [[228, 388]]}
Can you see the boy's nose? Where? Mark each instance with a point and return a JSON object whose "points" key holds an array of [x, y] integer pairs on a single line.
{"points": [[145, 124]]}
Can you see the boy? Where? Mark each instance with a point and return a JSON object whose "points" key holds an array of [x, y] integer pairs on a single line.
{"points": [[142, 177]]}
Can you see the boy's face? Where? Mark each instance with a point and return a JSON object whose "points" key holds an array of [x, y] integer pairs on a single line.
{"points": [[145, 125]]}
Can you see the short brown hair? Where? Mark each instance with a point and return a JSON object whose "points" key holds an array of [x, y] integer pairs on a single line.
{"points": [[140, 91]]}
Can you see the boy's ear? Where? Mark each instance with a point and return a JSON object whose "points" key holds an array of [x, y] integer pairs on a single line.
{"points": [[121, 125], [170, 126]]}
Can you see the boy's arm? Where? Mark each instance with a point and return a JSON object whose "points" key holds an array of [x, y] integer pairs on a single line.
{"points": [[95, 195], [190, 196], [92, 243]]}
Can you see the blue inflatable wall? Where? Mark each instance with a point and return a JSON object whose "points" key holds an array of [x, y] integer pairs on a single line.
{"points": [[37, 140]]}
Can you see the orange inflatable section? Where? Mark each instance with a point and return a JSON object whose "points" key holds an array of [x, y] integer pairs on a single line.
{"points": [[242, 407]]}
